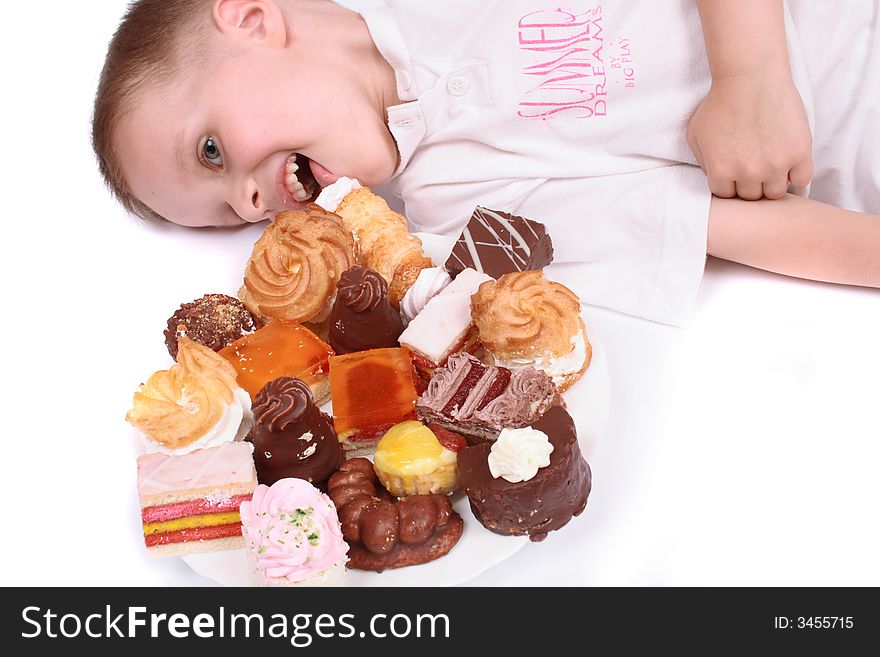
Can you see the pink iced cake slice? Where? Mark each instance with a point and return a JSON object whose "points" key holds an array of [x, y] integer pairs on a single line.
{"points": [[190, 502], [445, 325]]}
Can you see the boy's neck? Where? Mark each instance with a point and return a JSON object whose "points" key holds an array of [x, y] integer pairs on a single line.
{"points": [[323, 22]]}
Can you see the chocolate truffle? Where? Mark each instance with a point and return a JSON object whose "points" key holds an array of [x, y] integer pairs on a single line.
{"points": [[362, 317], [291, 436], [538, 505], [214, 320], [498, 243], [478, 400]]}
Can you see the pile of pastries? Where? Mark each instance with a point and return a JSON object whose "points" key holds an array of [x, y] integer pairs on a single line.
{"points": [[442, 379]]}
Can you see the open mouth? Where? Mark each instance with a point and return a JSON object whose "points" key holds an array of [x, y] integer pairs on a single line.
{"points": [[298, 181]]}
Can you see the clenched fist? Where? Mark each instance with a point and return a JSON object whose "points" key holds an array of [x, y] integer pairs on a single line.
{"points": [[750, 134]]}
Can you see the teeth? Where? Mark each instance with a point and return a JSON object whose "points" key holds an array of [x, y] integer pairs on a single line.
{"points": [[292, 183]]}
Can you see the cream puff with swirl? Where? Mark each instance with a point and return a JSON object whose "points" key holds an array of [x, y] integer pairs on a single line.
{"points": [[291, 436], [195, 404], [362, 317], [295, 265], [526, 320]]}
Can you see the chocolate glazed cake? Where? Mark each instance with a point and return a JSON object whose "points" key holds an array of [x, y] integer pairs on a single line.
{"points": [[291, 436], [540, 505], [362, 317]]}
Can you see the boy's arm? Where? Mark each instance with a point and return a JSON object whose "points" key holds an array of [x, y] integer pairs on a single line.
{"points": [[750, 133], [797, 237]]}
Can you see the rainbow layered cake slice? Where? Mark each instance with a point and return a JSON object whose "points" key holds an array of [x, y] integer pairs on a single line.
{"points": [[190, 503], [444, 326]]}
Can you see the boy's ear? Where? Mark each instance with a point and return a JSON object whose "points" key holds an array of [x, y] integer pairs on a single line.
{"points": [[256, 19]]}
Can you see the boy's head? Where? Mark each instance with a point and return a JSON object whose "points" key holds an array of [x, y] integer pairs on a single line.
{"points": [[214, 112]]}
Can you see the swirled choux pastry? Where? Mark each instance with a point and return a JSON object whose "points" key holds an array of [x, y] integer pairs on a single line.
{"points": [[195, 404], [295, 265], [526, 320], [384, 241]]}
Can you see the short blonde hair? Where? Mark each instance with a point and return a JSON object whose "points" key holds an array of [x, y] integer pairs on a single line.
{"points": [[155, 41]]}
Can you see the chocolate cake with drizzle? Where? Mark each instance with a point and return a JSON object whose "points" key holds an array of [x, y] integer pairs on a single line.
{"points": [[497, 243]]}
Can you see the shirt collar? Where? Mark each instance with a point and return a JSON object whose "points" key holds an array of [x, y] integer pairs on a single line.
{"points": [[405, 121]]}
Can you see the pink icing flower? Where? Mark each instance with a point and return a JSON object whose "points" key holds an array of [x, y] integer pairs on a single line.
{"points": [[292, 530]]}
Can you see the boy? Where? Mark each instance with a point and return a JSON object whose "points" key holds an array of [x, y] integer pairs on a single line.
{"points": [[223, 111]]}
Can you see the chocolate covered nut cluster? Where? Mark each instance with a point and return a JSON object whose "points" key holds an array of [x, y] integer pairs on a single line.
{"points": [[386, 533]]}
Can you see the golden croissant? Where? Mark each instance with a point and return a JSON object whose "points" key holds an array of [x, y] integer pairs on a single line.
{"points": [[385, 243]]}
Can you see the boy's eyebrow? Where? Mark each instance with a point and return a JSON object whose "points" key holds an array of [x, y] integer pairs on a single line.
{"points": [[178, 151]]}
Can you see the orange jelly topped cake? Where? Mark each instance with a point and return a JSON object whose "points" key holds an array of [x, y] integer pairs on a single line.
{"points": [[372, 391], [281, 348]]}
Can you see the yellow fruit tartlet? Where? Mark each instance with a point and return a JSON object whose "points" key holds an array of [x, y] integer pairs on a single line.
{"points": [[410, 460]]}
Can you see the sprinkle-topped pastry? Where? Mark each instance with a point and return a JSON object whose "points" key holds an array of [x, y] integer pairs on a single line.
{"points": [[362, 318], [214, 320], [196, 403], [372, 391], [479, 400], [190, 503], [278, 349], [292, 437], [292, 536], [496, 243]]}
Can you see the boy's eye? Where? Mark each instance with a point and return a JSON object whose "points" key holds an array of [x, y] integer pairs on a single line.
{"points": [[210, 154]]}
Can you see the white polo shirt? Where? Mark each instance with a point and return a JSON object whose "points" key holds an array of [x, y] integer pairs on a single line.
{"points": [[572, 113]]}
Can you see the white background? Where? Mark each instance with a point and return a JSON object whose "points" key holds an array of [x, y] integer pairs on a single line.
{"points": [[742, 450]]}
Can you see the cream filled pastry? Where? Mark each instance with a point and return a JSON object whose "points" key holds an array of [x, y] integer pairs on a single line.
{"points": [[331, 196], [429, 284], [384, 241], [193, 405], [525, 320]]}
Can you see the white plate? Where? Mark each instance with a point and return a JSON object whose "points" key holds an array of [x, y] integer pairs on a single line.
{"points": [[479, 549]]}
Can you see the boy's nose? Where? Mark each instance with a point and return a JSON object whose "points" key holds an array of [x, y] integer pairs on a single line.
{"points": [[249, 204]]}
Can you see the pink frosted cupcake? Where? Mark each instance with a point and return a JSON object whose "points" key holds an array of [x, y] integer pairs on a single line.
{"points": [[292, 536]]}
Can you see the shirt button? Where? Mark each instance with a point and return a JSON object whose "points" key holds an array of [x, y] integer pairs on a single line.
{"points": [[404, 80], [457, 86]]}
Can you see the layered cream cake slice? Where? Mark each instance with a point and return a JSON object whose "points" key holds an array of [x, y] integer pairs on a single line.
{"points": [[190, 502], [444, 326]]}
